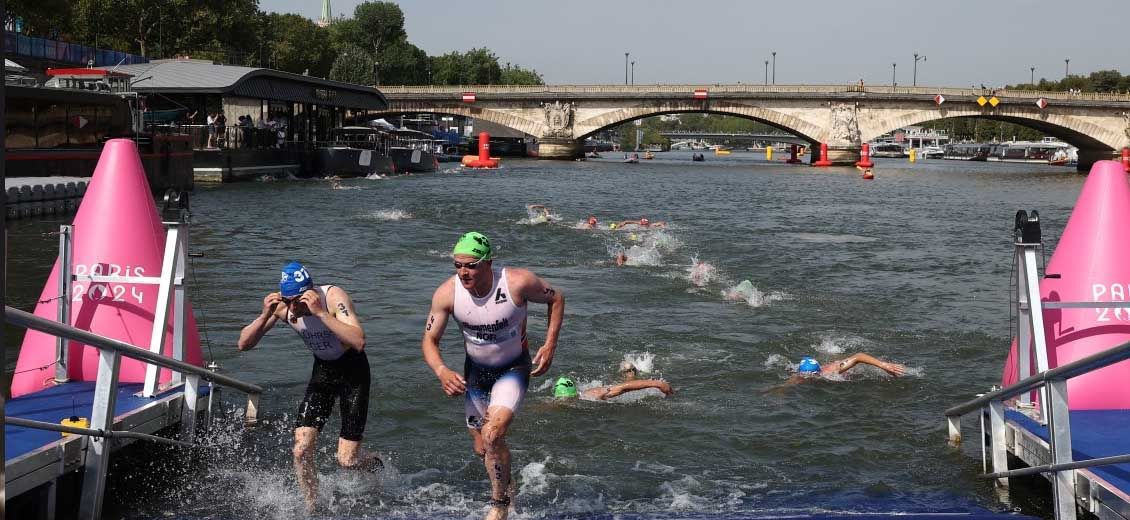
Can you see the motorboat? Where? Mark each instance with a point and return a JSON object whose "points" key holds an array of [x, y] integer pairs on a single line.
{"points": [[354, 151], [648, 155]]}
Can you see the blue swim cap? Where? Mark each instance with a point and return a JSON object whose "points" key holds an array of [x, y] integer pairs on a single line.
{"points": [[295, 280], [808, 366]]}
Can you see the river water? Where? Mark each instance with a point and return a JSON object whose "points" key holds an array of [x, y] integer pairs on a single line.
{"points": [[912, 267]]}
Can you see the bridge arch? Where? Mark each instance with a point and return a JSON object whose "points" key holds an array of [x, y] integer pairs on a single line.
{"points": [[1071, 130], [781, 121], [497, 117]]}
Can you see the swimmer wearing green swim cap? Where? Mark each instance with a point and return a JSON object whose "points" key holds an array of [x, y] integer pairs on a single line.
{"points": [[491, 305], [566, 388]]}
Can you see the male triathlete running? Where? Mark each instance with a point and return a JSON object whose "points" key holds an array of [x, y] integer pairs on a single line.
{"points": [[329, 327], [490, 306]]}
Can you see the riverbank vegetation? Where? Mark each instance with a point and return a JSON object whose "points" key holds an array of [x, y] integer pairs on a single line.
{"points": [[371, 47]]}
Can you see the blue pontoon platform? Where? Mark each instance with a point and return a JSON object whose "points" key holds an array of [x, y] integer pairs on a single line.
{"points": [[33, 457], [1102, 490]]}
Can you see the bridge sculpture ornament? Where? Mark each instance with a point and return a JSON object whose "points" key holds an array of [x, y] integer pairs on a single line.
{"points": [[845, 128], [558, 119]]}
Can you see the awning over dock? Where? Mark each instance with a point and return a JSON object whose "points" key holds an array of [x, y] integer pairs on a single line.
{"points": [[204, 77]]}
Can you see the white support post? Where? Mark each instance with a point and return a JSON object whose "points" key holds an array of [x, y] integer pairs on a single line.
{"points": [[188, 412], [1000, 451], [180, 311], [1035, 309], [98, 448], [161, 312], [1059, 429], [63, 304], [251, 419], [953, 424], [1023, 325]]}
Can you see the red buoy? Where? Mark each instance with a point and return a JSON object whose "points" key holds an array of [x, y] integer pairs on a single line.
{"points": [[823, 156], [1126, 158], [484, 159], [865, 157]]}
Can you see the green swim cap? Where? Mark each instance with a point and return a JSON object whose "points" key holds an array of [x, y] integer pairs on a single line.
{"points": [[473, 243], [564, 388]]}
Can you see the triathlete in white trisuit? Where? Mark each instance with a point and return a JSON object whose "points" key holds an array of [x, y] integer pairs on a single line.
{"points": [[490, 306]]}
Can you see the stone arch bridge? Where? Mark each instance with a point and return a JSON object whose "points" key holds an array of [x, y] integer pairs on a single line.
{"points": [[843, 116]]}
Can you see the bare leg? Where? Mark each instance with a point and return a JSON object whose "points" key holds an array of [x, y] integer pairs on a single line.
{"points": [[350, 455], [497, 459], [304, 438]]}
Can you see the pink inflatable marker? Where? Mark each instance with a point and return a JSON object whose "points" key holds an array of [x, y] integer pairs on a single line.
{"points": [[116, 233], [1091, 261]]}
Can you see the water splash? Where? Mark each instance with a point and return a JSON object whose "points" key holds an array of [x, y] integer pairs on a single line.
{"points": [[389, 215], [752, 296], [644, 361], [701, 273]]}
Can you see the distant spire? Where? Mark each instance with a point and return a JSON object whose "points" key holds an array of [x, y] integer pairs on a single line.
{"points": [[327, 18]]}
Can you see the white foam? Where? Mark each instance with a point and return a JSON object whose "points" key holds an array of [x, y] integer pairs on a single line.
{"points": [[389, 215], [752, 296], [535, 478], [644, 361], [701, 273], [376, 177]]}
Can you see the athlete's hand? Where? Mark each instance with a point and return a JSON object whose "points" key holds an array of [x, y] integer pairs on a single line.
{"points": [[314, 304], [542, 360], [453, 384], [270, 302]]}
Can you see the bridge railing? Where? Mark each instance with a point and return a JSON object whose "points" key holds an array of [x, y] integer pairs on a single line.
{"points": [[458, 90]]}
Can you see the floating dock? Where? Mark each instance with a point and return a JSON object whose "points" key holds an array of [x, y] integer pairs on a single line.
{"points": [[29, 197]]}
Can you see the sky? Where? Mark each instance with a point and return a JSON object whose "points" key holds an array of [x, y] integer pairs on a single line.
{"points": [[964, 42]]}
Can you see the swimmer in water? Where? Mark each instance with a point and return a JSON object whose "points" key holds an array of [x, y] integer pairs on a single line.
{"points": [[566, 388], [539, 214], [621, 259], [810, 367], [643, 223], [591, 223]]}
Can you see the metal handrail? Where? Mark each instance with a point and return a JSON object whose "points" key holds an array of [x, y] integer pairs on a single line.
{"points": [[31, 321], [1065, 466], [92, 432], [1075, 368]]}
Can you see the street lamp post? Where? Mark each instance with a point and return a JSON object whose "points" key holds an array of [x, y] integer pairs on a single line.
{"points": [[914, 80], [766, 72], [633, 72], [774, 67], [1066, 67], [893, 83], [1032, 79], [625, 68]]}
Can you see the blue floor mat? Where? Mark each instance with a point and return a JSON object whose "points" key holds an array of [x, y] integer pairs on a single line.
{"points": [[1094, 434]]}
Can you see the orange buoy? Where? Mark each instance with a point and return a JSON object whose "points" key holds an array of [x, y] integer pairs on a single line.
{"points": [[1126, 158]]}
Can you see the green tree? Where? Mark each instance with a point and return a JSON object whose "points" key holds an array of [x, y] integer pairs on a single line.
{"points": [[354, 64], [403, 64], [381, 24], [297, 45], [42, 17], [447, 69], [482, 67], [515, 75]]}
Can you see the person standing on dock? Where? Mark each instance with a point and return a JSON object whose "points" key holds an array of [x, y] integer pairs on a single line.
{"points": [[325, 319], [490, 306]]}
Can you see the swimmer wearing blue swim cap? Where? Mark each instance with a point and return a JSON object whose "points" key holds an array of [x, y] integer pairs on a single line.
{"points": [[323, 316], [808, 367]]}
